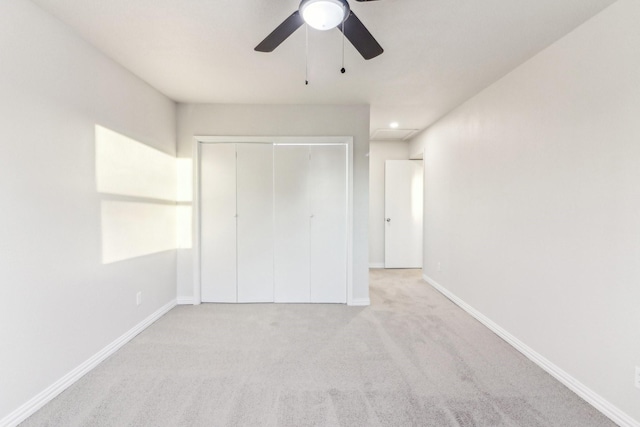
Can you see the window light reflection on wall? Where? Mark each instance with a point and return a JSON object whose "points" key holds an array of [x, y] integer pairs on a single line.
{"points": [[146, 197]]}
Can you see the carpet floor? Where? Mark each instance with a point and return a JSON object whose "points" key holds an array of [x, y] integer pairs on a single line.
{"points": [[412, 358]]}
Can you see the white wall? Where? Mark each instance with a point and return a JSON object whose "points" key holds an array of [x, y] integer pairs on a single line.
{"points": [[60, 303], [379, 152], [286, 120], [532, 203]]}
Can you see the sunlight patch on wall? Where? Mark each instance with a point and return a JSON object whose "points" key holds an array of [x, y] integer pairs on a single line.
{"points": [[132, 229], [184, 197], [147, 196], [129, 168], [183, 227], [184, 178]]}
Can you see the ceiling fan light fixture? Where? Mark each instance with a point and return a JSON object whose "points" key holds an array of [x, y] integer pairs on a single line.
{"points": [[324, 14]]}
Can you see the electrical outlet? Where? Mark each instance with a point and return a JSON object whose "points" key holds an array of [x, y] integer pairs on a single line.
{"points": [[638, 376], [439, 266], [139, 298]]}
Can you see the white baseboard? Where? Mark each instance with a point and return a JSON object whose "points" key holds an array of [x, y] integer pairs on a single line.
{"points": [[185, 300], [45, 396], [601, 404], [376, 265], [360, 302]]}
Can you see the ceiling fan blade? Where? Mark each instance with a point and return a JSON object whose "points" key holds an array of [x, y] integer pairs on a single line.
{"points": [[280, 34], [360, 37]]}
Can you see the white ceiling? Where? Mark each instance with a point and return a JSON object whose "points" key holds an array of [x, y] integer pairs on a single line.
{"points": [[438, 53]]}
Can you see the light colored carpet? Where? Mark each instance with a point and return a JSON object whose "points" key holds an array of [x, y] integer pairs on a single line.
{"points": [[412, 358]]}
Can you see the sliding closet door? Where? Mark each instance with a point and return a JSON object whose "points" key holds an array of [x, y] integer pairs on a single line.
{"points": [[255, 222], [218, 222], [328, 241], [291, 264]]}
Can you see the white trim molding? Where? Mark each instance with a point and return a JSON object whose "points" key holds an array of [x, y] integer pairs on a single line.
{"points": [[376, 265], [48, 394], [186, 300], [359, 302], [601, 404]]}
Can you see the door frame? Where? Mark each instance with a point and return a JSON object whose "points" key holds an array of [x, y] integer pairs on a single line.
{"points": [[198, 140]]}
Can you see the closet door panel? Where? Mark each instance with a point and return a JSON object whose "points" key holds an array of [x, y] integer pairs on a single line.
{"points": [[218, 222], [255, 222], [328, 205], [291, 264]]}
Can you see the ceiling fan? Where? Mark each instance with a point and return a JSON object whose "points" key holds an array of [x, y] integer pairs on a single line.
{"points": [[325, 15]]}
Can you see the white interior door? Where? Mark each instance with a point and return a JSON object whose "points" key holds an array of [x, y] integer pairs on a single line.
{"points": [[403, 214], [291, 207], [255, 222], [218, 222], [328, 230], [273, 223]]}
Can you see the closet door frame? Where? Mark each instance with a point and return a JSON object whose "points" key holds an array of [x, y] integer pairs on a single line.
{"points": [[198, 141]]}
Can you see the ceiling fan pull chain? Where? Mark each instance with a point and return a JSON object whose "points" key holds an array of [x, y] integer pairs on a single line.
{"points": [[342, 70], [306, 48]]}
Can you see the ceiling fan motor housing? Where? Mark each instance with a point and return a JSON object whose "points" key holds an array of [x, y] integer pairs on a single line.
{"points": [[324, 14]]}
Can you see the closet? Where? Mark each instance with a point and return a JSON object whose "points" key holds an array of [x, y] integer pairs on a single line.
{"points": [[273, 222], [237, 222]]}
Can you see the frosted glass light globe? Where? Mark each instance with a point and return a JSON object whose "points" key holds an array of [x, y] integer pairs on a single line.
{"points": [[323, 14]]}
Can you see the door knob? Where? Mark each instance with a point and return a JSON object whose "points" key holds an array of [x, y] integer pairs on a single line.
{"points": [[388, 219]]}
